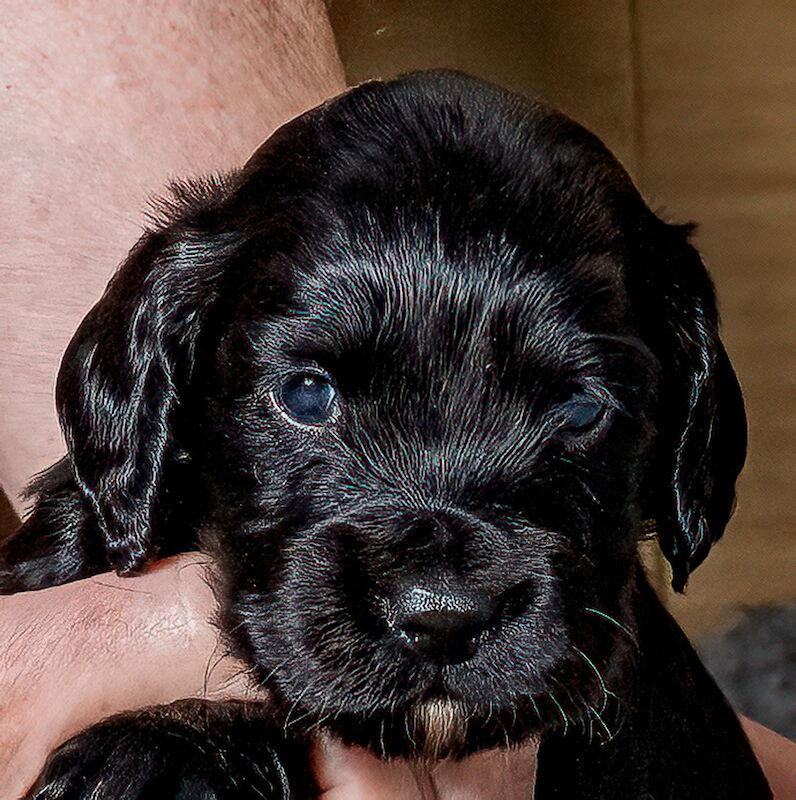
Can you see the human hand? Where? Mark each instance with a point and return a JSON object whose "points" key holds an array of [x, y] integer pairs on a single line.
{"points": [[80, 652], [75, 654]]}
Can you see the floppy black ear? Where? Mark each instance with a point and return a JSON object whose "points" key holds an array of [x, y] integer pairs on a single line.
{"points": [[123, 377], [700, 419]]}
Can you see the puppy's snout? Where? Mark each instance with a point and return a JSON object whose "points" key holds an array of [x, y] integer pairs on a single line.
{"points": [[439, 624]]}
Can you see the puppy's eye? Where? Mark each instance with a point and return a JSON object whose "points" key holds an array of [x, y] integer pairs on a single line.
{"points": [[580, 414], [308, 397]]}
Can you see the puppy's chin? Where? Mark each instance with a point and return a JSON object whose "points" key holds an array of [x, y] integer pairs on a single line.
{"points": [[437, 728], [429, 730]]}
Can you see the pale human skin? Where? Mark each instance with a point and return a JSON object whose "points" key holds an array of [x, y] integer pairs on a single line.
{"points": [[102, 103]]}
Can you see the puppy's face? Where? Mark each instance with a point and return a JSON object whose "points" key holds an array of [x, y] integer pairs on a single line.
{"points": [[437, 448], [431, 398]]}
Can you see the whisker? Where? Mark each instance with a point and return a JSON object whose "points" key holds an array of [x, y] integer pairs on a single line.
{"points": [[602, 723], [293, 707], [560, 711], [606, 692], [615, 622]]}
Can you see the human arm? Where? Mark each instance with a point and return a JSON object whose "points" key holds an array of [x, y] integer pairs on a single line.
{"points": [[102, 103], [777, 756]]}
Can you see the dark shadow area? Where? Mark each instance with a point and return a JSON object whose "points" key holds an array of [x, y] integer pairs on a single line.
{"points": [[755, 664]]}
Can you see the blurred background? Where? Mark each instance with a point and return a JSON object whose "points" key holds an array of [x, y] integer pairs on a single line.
{"points": [[698, 100]]}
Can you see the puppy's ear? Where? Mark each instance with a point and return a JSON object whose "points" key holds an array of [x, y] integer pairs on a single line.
{"points": [[700, 419], [123, 377]]}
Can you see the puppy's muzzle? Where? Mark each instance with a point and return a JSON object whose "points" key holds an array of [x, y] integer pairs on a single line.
{"points": [[447, 586]]}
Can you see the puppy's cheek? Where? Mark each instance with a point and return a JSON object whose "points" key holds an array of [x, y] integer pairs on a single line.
{"points": [[314, 638]]}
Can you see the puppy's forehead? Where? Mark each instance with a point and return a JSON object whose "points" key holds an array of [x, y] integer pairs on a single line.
{"points": [[422, 312], [442, 160], [437, 205]]}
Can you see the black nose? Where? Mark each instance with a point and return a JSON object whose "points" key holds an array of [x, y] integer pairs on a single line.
{"points": [[439, 624]]}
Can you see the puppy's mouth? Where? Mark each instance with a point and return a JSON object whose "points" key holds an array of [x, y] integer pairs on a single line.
{"points": [[429, 729]]}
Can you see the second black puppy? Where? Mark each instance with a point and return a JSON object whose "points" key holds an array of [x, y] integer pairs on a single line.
{"points": [[419, 376]]}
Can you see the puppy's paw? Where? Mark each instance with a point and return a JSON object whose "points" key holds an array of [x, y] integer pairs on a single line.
{"points": [[186, 751]]}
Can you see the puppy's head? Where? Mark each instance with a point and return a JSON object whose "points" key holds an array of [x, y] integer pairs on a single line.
{"points": [[421, 372]]}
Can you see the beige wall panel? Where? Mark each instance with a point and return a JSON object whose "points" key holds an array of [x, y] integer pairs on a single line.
{"points": [[718, 145], [576, 55], [718, 90]]}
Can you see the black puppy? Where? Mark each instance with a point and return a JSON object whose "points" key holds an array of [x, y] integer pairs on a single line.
{"points": [[419, 376]]}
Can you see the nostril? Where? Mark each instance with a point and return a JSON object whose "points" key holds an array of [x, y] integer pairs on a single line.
{"points": [[441, 625], [442, 636]]}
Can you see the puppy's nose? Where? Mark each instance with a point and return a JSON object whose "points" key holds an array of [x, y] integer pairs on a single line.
{"points": [[441, 625]]}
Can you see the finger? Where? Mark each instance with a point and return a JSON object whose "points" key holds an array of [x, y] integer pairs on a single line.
{"points": [[493, 775], [354, 774], [351, 773]]}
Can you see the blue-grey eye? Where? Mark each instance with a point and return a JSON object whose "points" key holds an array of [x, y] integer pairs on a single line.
{"points": [[581, 414], [308, 397]]}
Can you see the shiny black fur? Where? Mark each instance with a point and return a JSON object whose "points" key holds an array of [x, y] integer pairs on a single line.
{"points": [[461, 262]]}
